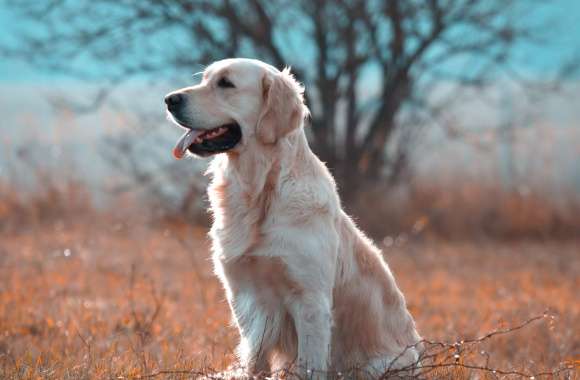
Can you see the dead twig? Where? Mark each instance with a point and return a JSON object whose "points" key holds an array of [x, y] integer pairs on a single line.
{"points": [[421, 369]]}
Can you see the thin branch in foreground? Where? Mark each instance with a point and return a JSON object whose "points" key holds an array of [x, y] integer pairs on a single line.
{"points": [[424, 368]]}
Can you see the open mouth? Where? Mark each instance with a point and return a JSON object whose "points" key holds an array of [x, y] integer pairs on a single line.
{"points": [[205, 142]]}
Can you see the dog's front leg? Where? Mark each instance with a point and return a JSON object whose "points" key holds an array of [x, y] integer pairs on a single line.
{"points": [[313, 321], [256, 335]]}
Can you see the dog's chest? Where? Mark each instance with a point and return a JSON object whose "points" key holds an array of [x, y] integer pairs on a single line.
{"points": [[246, 222], [236, 229]]}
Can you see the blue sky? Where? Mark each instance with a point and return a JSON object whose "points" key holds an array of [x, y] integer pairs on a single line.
{"points": [[36, 120], [537, 61]]}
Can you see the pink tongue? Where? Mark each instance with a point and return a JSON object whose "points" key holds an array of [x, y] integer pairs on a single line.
{"points": [[184, 142]]}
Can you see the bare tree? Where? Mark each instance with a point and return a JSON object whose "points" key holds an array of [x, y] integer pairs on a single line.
{"points": [[370, 66]]}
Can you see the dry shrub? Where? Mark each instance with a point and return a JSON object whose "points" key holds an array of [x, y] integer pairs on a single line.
{"points": [[466, 211], [48, 202]]}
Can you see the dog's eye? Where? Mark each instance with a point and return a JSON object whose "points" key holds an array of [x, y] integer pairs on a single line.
{"points": [[225, 83]]}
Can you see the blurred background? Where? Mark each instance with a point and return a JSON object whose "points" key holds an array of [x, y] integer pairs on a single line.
{"points": [[461, 115], [452, 128]]}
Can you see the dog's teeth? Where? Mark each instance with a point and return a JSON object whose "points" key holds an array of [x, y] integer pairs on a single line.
{"points": [[213, 133]]}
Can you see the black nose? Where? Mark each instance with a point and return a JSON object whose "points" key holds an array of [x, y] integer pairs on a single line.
{"points": [[173, 99]]}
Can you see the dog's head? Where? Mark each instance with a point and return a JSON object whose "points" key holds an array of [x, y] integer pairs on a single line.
{"points": [[238, 101]]}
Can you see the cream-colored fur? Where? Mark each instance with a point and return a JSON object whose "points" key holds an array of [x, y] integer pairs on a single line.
{"points": [[306, 288]]}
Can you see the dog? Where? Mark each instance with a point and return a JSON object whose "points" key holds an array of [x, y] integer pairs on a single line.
{"points": [[307, 289]]}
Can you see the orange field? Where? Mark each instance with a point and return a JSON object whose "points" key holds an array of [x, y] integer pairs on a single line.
{"points": [[109, 298]]}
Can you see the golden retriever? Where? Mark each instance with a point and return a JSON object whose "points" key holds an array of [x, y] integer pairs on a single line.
{"points": [[307, 289]]}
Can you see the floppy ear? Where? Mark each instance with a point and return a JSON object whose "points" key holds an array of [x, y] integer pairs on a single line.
{"points": [[283, 109]]}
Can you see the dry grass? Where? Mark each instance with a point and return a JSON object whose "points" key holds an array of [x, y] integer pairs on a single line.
{"points": [[110, 298], [86, 294]]}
